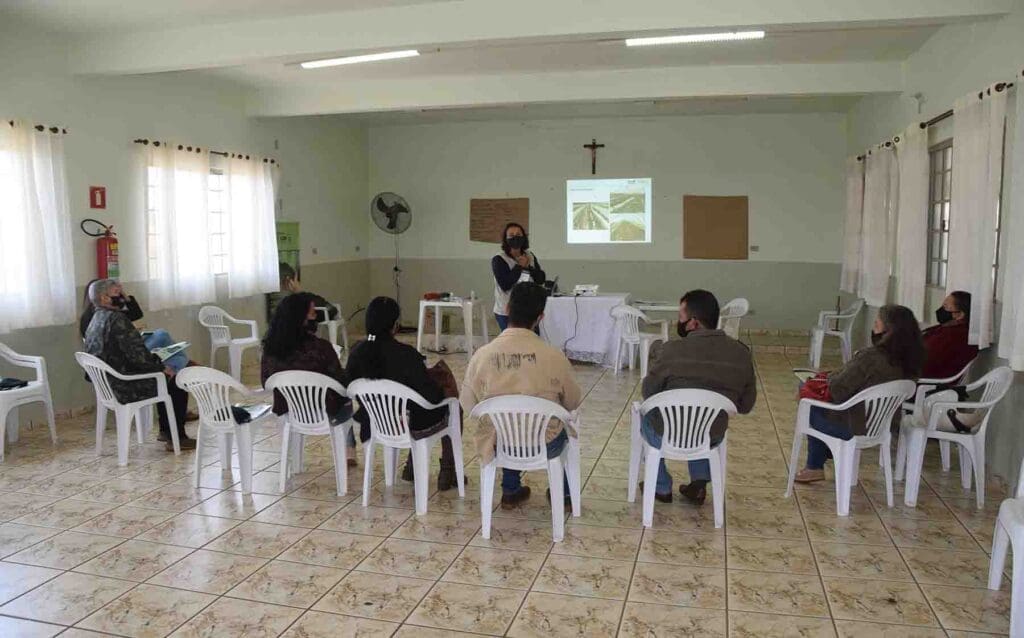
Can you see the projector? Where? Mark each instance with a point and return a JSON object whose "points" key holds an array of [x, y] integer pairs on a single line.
{"points": [[585, 290]]}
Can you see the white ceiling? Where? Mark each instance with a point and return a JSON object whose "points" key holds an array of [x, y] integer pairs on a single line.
{"points": [[779, 47], [507, 58], [90, 17], [631, 108]]}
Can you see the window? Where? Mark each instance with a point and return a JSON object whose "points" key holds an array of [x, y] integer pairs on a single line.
{"points": [[939, 192], [218, 227], [218, 224]]}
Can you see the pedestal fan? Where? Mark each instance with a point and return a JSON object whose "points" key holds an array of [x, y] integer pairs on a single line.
{"points": [[393, 215]]}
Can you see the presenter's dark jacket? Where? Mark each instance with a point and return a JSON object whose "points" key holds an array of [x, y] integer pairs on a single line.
{"points": [[703, 360], [402, 364]]}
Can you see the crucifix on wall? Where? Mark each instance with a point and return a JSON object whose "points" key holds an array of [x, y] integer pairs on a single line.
{"points": [[592, 147]]}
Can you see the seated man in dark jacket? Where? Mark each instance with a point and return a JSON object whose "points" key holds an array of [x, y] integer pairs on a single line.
{"points": [[112, 338], [706, 359], [945, 344], [380, 356]]}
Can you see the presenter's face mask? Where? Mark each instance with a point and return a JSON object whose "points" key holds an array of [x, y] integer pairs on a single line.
{"points": [[516, 241], [876, 338]]}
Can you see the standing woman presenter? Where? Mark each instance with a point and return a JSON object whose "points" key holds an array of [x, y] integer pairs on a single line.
{"points": [[513, 264]]}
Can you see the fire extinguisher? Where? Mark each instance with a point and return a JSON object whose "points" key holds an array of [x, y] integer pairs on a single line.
{"points": [[107, 263]]}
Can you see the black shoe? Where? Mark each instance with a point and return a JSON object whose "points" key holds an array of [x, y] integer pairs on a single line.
{"points": [[512, 501], [696, 492], [567, 501], [185, 442], [447, 478], [163, 437], [407, 474], [661, 498]]}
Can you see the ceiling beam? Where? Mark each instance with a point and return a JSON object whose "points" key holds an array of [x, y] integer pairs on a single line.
{"points": [[611, 85], [468, 22]]}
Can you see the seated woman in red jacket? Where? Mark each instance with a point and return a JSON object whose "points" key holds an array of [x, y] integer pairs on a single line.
{"points": [[945, 344]]}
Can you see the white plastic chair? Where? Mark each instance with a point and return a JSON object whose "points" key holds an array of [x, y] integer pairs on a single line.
{"points": [[729, 318], [880, 405], [844, 322], [687, 416], [334, 324], [211, 390], [1009, 531], [627, 320], [36, 391], [386, 404], [125, 413], [216, 321], [520, 423], [934, 424], [925, 385], [306, 395]]}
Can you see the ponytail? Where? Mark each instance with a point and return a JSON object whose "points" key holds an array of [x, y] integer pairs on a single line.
{"points": [[381, 315]]}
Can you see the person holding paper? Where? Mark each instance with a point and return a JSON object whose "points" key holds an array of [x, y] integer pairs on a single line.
{"points": [[515, 263], [130, 307], [112, 338]]}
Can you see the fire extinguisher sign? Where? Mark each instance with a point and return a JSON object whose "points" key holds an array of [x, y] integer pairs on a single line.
{"points": [[97, 197]]}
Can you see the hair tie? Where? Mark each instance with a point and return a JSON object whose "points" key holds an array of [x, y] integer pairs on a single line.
{"points": [[371, 337]]}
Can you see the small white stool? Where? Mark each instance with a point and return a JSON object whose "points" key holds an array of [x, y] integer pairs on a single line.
{"points": [[466, 305]]}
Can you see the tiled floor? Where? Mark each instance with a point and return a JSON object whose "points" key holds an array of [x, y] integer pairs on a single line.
{"points": [[136, 551]]}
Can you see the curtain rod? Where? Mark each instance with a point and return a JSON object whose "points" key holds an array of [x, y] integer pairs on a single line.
{"points": [[197, 149], [999, 87], [41, 128]]}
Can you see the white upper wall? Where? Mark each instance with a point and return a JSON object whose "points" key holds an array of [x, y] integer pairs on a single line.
{"points": [[323, 162], [789, 165], [957, 59]]}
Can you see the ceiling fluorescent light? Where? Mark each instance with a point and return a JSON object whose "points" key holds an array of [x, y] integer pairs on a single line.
{"points": [[356, 59], [695, 38]]}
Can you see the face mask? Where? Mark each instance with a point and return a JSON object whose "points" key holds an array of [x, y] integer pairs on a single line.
{"points": [[943, 316], [517, 242], [119, 302], [681, 329], [876, 338]]}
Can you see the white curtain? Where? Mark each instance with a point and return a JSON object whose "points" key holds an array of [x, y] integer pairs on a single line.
{"points": [[37, 285], [977, 169], [249, 207], [877, 226], [850, 278], [180, 272], [1011, 326], [912, 225]]}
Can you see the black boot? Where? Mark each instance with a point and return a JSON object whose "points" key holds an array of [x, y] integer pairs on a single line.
{"points": [[447, 478], [407, 474]]}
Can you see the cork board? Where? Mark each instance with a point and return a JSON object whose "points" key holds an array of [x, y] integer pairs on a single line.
{"points": [[715, 227], [487, 217]]}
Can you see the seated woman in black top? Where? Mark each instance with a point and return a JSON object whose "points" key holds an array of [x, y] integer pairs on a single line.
{"points": [[380, 356], [291, 344]]}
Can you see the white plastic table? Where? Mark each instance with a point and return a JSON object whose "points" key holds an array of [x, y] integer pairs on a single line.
{"points": [[656, 306], [466, 305]]}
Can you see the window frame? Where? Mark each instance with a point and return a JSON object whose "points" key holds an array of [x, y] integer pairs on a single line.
{"points": [[939, 213]]}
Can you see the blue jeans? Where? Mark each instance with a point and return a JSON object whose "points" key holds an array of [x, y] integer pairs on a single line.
{"points": [[162, 339], [817, 451], [699, 470], [344, 414], [502, 321], [511, 480]]}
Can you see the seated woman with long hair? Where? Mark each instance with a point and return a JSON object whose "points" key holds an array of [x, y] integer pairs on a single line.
{"points": [[291, 344], [380, 356], [897, 352]]}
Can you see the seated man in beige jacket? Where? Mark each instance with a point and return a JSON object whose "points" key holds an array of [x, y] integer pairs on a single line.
{"points": [[520, 362]]}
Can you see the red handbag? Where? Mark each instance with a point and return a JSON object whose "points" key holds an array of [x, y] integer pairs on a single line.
{"points": [[816, 388]]}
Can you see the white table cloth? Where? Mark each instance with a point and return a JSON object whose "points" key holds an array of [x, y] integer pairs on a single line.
{"points": [[590, 319]]}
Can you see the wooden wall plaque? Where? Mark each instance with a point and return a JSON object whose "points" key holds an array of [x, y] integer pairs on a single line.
{"points": [[487, 217], [715, 227]]}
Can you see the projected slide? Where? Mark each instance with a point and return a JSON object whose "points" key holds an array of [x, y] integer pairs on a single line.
{"points": [[608, 211]]}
